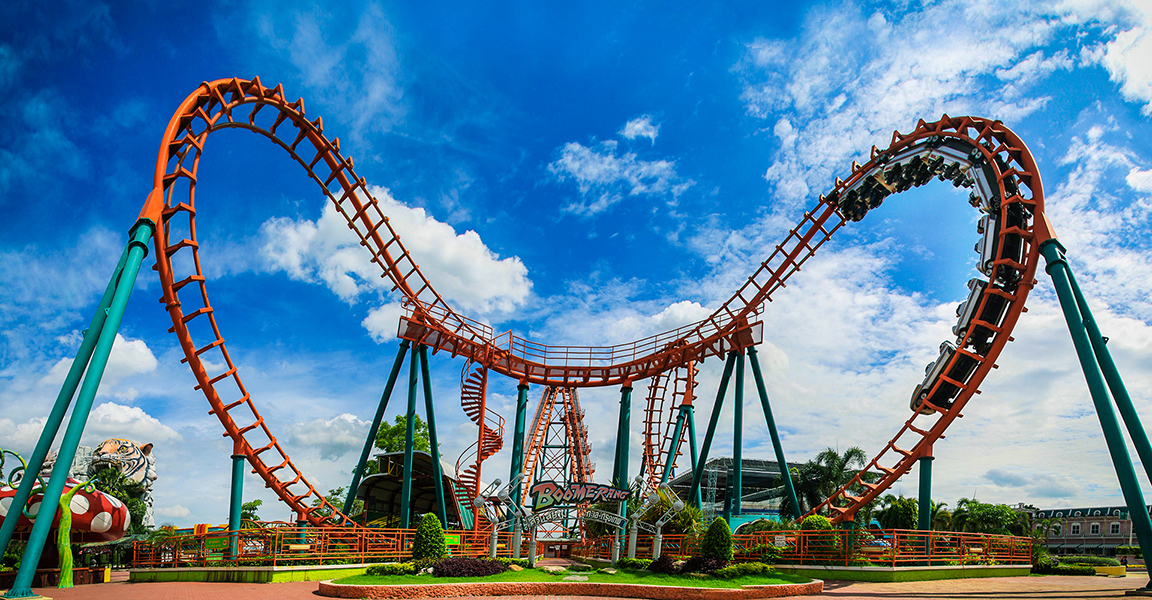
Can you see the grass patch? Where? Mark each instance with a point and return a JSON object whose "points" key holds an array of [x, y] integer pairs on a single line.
{"points": [[622, 576]]}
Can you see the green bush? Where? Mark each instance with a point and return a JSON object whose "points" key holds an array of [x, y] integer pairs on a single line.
{"points": [[743, 569], [767, 554], [633, 563], [1096, 561], [392, 569], [463, 566], [506, 561], [1047, 566], [717, 543], [816, 523], [1130, 550], [429, 542]]}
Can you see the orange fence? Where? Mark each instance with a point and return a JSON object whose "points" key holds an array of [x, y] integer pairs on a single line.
{"points": [[282, 546], [891, 548], [332, 545]]}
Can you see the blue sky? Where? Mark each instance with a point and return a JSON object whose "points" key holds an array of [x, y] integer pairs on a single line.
{"points": [[580, 175]]}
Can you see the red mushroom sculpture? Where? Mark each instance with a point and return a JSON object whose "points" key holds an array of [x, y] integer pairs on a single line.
{"points": [[97, 516]]}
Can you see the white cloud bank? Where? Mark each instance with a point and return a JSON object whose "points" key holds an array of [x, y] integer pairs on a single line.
{"points": [[469, 275], [128, 357]]}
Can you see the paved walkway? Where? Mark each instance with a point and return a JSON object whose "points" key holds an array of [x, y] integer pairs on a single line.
{"points": [[1015, 588]]}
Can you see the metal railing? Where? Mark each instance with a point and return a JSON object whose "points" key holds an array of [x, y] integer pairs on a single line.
{"points": [[888, 548]]}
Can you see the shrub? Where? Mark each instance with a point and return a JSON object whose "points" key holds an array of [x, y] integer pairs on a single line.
{"points": [[664, 565], [717, 543], [429, 542], [1130, 550], [633, 563], [1097, 561], [767, 554], [506, 561], [425, 563], [1047, 566], [392, 569], [699, 564], [743, 569], [816, 523], [462, 566]]}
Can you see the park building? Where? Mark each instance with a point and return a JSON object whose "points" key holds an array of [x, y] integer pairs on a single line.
{"points": [[762, 483], [1079, 531]]}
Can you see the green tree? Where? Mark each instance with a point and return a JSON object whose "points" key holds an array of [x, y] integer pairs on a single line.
{"points": [[977, 517], [717, 542], [390, 438], [248, 510], [825, 473], [114, 483], [336, 497], [429, 541], [898, 512], [941, 517]]}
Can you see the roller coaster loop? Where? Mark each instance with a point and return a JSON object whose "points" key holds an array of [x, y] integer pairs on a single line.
{"points": [[971, 152]]}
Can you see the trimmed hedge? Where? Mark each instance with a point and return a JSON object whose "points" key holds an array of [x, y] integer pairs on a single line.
{"points": [[1096, 561], [717, 542], [634, 563], [507, 561], [392, 569], [462, 566], [429, 541], [1130, 550], [743, 569]]}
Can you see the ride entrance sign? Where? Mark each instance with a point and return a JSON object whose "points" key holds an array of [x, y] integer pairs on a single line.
{"points": [[549, 493]]}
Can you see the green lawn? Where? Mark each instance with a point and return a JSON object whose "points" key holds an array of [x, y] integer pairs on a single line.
{"points": [[622, 576]]}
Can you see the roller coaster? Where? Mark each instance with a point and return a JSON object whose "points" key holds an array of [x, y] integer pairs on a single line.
{"points": [[980, 155]]}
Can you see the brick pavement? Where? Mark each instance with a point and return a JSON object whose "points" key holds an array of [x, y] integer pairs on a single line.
{"points": [[1015, 588]]}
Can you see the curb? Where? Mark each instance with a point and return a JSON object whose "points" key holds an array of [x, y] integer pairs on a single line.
{"points": [[568, 588]]}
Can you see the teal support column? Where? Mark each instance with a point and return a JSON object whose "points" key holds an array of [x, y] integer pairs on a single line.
{"points": [[1112, 377], [698, 470], [924, 510], [409, 436], [675, 443], [623, 428], [137, 249], [1058, 269], [762, 391], [358, 472], [518, 437], [692, 448], [236, 500], [738, 437], [63, 401], [433, 443]]}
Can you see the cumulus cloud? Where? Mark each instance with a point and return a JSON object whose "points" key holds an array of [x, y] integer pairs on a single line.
{"points": [[110, 420], [332, 437], [128, 357], [641, 127], [175, 511], [463, 269], [605, 177], [1128, 56]]}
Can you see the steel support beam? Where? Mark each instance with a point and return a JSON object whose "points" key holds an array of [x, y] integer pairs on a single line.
{"points": [[433, 444], [409, 437], [370, 442], [698, 465], [762, 391]]}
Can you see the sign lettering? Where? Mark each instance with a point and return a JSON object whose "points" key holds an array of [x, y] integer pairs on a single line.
{"points": [[548, 493]]}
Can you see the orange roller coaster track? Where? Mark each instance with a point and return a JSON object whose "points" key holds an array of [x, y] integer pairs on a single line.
{"points": [[978, 149]]}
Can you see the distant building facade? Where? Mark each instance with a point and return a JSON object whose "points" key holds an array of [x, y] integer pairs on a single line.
{"points": [[1095, 530]]}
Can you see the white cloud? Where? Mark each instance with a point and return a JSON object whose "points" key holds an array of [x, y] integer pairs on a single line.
{"points": [[604, 178], [360, 61], [24, 435], [175, 511], [641, 127], [332, 437], [468, 274], [1128, 58], [111, 420], [128, 357]]}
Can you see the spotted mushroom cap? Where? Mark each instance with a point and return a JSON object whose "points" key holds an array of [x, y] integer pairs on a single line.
{"points": [[97, 516]]}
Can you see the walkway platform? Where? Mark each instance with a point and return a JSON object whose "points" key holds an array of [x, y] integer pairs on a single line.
{"points": [[1000, 588]]}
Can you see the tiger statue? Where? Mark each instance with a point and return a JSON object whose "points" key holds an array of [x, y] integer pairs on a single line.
{"points": [[136, 463]]}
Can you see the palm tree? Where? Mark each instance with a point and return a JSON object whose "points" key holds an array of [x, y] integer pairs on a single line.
{"points": [[825, 473], [941, 517]]}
